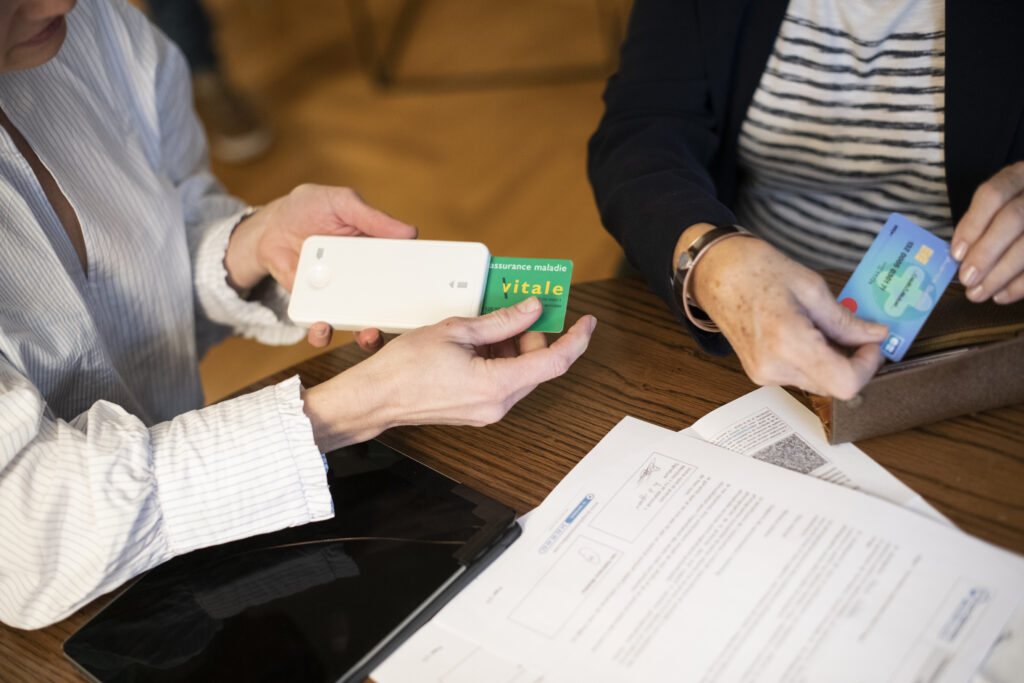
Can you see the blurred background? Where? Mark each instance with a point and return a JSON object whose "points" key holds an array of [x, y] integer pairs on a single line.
{"points": [[467, 118]]}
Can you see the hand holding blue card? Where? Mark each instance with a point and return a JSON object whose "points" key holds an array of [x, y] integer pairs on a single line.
{"points": [[899, 281]]}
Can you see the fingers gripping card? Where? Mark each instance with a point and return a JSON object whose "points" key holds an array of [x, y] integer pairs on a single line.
{"points": [[511, 280], [898, 281]]}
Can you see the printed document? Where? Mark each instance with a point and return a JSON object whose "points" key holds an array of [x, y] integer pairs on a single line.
{"points": [[768, 424], [683, 561]]}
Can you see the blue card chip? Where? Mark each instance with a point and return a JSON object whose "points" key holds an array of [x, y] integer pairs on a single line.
{"points": [[898, 281]]}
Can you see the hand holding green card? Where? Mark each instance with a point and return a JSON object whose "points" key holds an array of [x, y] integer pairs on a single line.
{"points": [[511, 280]]}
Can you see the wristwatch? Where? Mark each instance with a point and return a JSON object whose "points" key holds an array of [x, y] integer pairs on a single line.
{"points": [[684, 268]]}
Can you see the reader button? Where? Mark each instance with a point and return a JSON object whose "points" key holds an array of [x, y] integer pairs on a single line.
{"points": [[319, 276]]}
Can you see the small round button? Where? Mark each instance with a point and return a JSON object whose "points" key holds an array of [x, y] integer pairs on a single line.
{"points": [[319, 276]]}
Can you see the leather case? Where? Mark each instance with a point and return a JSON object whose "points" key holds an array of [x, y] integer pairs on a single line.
{"points": [[967, 358]]}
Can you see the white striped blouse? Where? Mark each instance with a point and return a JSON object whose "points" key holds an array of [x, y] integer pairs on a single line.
{"points": [[845, 127], [108, 463]]}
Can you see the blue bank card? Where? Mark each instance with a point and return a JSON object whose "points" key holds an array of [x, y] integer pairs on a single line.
{"points": [[899, 280]]}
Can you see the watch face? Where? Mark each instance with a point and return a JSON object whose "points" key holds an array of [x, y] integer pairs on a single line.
{"points": [[684, 262]]}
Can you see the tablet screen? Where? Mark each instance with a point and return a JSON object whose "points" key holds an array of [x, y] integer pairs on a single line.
{"points": [[322, 602]]}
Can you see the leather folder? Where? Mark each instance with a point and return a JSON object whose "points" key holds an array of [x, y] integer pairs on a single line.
{"points": [[967, 358]]}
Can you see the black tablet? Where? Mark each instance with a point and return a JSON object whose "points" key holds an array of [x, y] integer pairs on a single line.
{"points": [[325, 601]]}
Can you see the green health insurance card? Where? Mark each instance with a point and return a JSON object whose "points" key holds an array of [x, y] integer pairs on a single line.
{"points": [[511, 280]]}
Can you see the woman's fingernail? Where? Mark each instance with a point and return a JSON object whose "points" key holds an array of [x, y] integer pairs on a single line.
{"points": [[593, 323], [976, 293], [959, 249], [528, 305], [1001, 297], [970, 276]]}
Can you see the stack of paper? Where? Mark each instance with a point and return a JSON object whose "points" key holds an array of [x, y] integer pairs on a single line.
{"points": [[665, 557]]}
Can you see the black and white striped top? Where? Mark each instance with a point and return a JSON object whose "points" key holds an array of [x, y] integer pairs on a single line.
{"points": [[845, 127]]}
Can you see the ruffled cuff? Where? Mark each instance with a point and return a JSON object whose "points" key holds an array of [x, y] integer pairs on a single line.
{"points": [[263, 319], [239, 468]]}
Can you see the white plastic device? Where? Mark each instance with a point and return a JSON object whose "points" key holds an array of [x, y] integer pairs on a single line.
{"points": [[394, 285]]}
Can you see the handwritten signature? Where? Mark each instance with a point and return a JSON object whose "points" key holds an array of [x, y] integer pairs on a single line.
{"points": [[649, 469]]}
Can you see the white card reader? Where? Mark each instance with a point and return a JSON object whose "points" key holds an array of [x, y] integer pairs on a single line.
{"points": [[395, 285]]}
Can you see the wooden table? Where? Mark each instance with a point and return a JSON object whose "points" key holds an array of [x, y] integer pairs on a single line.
{"points": [[641, 363]]}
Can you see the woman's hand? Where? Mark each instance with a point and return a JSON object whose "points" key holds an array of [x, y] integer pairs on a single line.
{"points": [[783, 322], [370, 339], [269, 241], [465, 371], [989, 240]]}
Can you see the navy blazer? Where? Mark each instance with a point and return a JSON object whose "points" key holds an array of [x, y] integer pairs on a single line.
{"points": [[665, 153]]}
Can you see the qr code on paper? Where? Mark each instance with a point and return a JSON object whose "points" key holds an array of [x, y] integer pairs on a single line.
{"points": [[793, 453]]}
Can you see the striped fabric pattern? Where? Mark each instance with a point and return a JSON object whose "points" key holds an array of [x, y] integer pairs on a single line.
{"points": [[109, 464], [845, 127]]}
